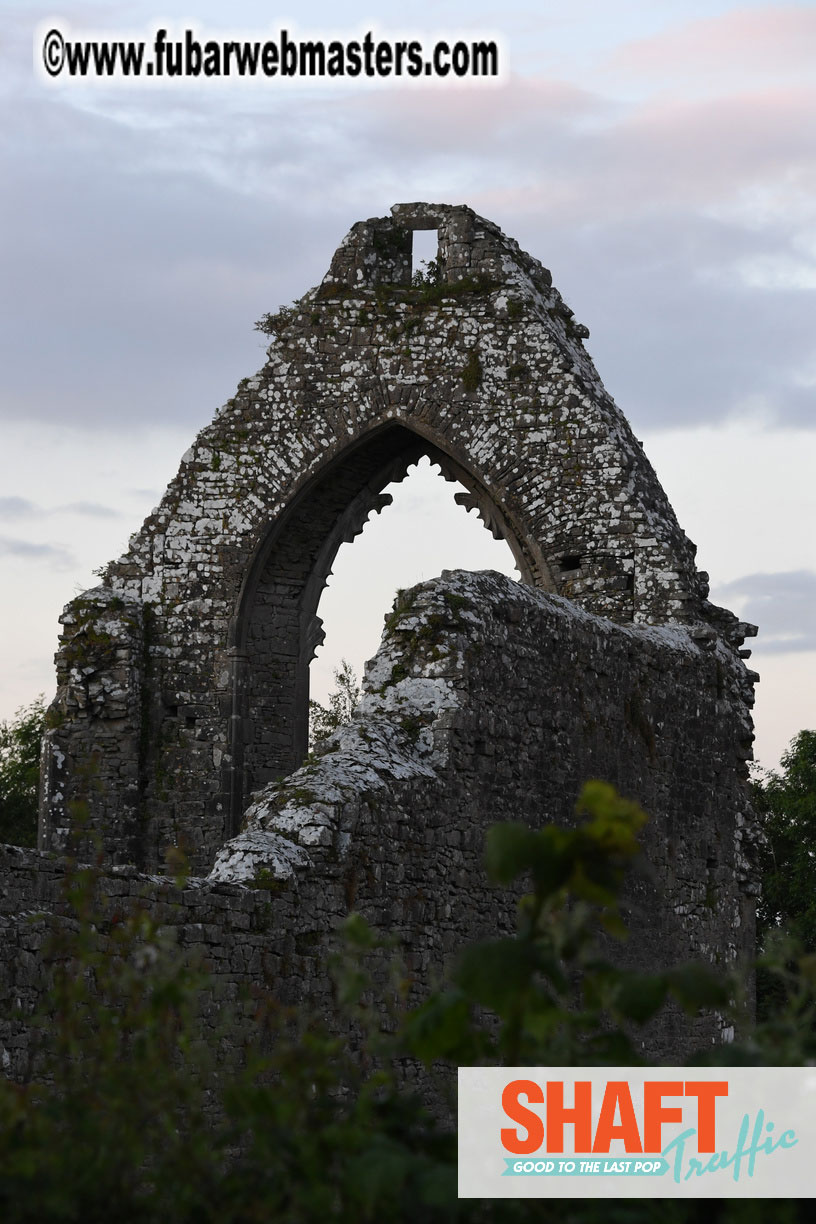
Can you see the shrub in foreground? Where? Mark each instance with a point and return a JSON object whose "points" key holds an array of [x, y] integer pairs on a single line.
{"points": [[131, 1116]]}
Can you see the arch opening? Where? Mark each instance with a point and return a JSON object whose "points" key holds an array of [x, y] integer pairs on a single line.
{"points": [[423, 531], [277, 629]]}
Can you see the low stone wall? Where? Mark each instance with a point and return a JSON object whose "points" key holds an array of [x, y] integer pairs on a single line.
{"points": [[230, 931]]}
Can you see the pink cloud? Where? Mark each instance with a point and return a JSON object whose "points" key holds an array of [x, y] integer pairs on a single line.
{"points": [[721, 144], [667, 158], [764, 41], [568, 154], [475, 117]]}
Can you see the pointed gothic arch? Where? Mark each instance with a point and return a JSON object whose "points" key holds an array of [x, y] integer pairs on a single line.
{"points": [[276, 629]]}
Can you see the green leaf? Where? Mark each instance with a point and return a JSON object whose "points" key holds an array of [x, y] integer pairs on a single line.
{"points": [[441, 1028], [612, 922], [509, 852], [696, 986], [494, 974], [358, 932], [640, 995]]}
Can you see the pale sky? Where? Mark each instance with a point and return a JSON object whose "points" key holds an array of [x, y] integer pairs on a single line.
{"points": [[660, 159]]}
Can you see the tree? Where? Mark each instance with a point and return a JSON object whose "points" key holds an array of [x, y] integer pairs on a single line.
{"points": [[20, 740], [786, 911], [786, 802], [429, 272], [343, 702]]}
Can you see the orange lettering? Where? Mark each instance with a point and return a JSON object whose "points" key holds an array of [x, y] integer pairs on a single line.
{"points": [[525, 1117], [706, 1092], [580, 1116], [655, 1113], [618, 1096]]}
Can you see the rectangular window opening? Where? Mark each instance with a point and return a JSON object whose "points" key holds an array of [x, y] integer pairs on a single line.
{"points": [[425, 265]]}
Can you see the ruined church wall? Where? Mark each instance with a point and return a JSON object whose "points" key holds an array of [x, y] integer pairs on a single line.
{"points": [[489, 701], [473, 714], [490, 376]]}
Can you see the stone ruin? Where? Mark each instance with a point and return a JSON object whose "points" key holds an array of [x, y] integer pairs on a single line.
{"points": [[181, 717]]}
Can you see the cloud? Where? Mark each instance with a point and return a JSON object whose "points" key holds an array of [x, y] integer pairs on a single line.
{"points": [[674, 347], [88, 510], [472, 121], [776, 39], [666, 157], [25, 550], [139, 269], [149, 232], [21, 507], [783, 605], [17, 507]]}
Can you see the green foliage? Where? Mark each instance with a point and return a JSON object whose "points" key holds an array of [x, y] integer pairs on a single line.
{"points": [[265, 879], [119, 1116], [133, 1113], [275, 324], [786, 802], [343, 702], [786, 1004], [20, 741], [558, 999], [429, 272], [786, 911], [429, 289]]}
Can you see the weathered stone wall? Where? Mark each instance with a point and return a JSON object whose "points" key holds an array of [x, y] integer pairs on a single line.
{"points": [[223, 928], [487, 701], [181, 714], [487, 373]]}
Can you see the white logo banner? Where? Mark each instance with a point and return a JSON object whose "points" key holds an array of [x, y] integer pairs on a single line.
{"points": [[637, 1132]]}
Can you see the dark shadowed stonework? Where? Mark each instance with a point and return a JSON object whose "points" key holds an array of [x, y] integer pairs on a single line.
{"points": [[181, 713]]}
